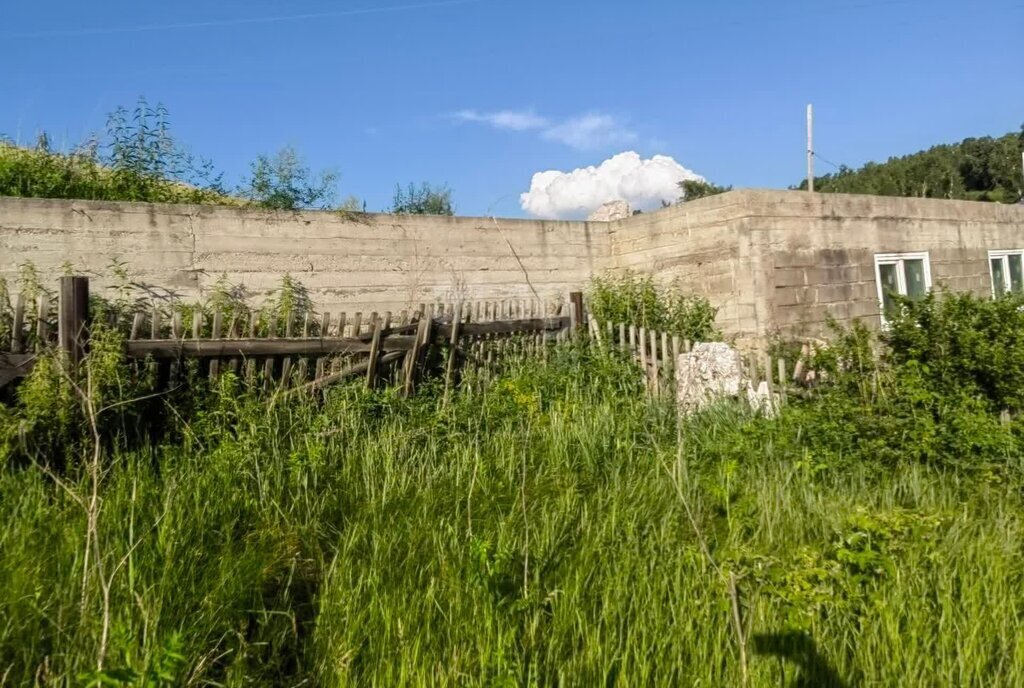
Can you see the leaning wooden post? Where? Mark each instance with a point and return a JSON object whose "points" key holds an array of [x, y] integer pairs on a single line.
{"points": [[73, 320], [453, 343], [371, 366]]}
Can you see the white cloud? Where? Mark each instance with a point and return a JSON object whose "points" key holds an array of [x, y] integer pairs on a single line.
{"points": [[590, 131], [584, 132], [626, 176], [514, 120]]}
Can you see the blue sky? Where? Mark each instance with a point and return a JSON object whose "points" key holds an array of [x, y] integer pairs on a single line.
{"points": [[401, 90]]}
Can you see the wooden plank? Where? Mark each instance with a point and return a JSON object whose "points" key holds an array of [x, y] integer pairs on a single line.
{"points": [[622, 335], [302, 369], [207, 348], [443, 330], [576, 310], [14, 366], [641, 336], [410, 359], [342, 373], [667, 365], [357, 324], [137, 322], [286, 363], [177, 327], [655, 375], [73, 318], [371, 367], [198, 318], [632, 339], [325, 331], [233, 362], [268, 364], [218, 323], [453, 343], [18, 325], [249, 363], [341, 324], [43, 322], [782, 380]]}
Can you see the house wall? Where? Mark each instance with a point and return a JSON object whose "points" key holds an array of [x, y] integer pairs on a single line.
{"points": [[818, 250]]}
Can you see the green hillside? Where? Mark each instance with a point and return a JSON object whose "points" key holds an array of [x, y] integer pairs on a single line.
{"points": [[976, 169]]}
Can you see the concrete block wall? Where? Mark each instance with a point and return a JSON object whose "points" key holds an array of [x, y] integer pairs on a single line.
{"points": [[819, 250], [371, 262], [771, 261], [697, 246]]}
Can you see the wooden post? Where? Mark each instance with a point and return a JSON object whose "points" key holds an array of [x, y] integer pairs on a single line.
{"points": [[655, 383], [453, 343], [576, 311], [73, 322], [42, 326], [371, 366], [218, 325], [782, 381], [17, 340], [422, 332], [641, 341]]}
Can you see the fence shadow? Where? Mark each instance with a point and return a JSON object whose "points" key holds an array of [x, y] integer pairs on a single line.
{"points": [[813, 670]]}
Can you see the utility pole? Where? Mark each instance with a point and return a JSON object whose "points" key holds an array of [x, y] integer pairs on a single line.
{"points": [[810, 148]]}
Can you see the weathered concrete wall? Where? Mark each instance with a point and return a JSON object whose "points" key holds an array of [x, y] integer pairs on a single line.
{"points": [[773, 262], [699, 246], [818, 250], [376, 262]]}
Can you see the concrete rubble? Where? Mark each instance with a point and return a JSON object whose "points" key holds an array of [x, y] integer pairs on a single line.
{"points": [[713, 371], [610, 211]]}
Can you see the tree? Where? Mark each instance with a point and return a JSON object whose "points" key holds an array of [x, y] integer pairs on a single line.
{"points": [[422, 200], [284, 182], [698, 188], [977, 169]]}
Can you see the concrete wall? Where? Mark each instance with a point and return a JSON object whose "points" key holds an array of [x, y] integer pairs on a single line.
{"points": [[371, 262], [773, 262], [818, 250]]}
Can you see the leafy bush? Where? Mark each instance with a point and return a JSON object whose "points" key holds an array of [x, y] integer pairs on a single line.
{"points": [[422, 200], [635, 299], [964, 344], [284, 182]]}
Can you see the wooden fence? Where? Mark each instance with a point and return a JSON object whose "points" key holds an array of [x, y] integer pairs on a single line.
{"points": [[317, 351], [657, 354]]}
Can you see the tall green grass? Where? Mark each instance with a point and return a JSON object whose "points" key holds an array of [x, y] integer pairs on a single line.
{"points": [[553, 526]]}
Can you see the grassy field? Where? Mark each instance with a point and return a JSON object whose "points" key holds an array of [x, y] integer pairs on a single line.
{"points": [[553, 527]]}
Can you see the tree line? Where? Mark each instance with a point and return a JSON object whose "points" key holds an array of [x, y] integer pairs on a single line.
{"points": [[976, 169], [137, 158]]}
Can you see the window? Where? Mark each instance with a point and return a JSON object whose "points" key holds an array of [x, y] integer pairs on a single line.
{"points": [[902, 274], [1007, 271]]}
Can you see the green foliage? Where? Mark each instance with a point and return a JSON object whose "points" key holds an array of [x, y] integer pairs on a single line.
{"points": [[137, 160], [693, 189], [977, 169], [964, 344], [422, 200], [634, 299], [284, 182], [550, 525]]}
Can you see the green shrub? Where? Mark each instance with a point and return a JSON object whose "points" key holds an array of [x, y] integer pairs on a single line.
{"points": [[635, 299], [964, 344]]}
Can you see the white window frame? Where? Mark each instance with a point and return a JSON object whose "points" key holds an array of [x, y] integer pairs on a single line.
{"points": [[992, 255], [901, 274]]}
